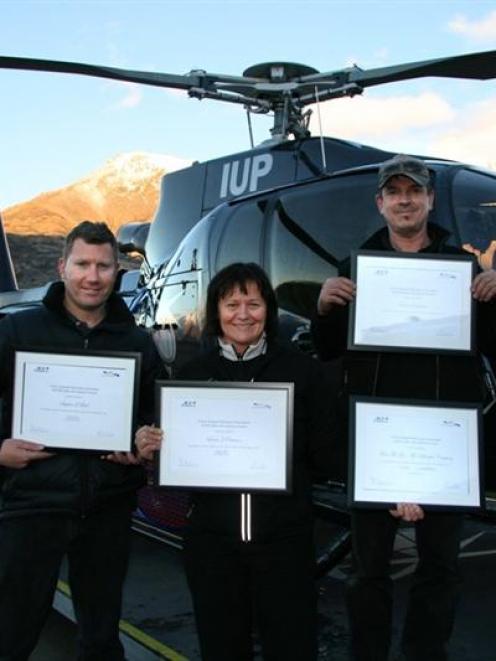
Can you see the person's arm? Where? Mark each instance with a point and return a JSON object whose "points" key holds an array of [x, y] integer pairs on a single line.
{"points": [[484, 293], [14, 453], [17, 454], [484, 286], [329, 326], [5, 354], [148, 440], [322, 427]]}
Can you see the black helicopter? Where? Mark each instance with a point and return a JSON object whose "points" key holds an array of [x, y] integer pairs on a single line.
{"points": [[296, 204]]}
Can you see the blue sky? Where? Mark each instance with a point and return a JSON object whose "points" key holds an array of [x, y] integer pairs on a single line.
{"points": [[55, 128]]}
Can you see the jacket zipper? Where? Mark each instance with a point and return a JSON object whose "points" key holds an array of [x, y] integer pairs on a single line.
{"points": [[246, 517], [84, 475], [246, 512], [245, 501]]}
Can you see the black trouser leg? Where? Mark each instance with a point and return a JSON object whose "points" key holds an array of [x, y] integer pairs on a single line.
{"points": [[434, 593], [31, 550], [285, 598], [98, 560], [370, 588], [219, 584]]}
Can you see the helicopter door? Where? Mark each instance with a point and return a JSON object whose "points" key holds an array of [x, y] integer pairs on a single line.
{"points": [[311, 230]]}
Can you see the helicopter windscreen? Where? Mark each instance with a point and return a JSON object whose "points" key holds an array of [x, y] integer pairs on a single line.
{"points": [[312, 229], [474, 205]]}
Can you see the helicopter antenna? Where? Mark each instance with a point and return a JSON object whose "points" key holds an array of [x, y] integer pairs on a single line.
{"points": [[250, 127], [322, 148]]}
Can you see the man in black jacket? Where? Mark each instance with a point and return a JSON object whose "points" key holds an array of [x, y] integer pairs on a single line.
{"points": [[404, 199], [76, 504]]}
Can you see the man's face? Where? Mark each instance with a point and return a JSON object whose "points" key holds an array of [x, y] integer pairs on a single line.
{"points": [[405, 206], [89, 273]]}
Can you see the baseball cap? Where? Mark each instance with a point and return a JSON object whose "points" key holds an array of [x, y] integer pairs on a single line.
{"points": [[408, 166]]}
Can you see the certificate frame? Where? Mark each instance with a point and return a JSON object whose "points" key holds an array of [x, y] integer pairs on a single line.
{"points": [[119, 373], [453, 334], [225, 463], [406, 468]]}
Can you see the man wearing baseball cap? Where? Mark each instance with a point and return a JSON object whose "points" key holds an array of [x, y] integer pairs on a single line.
{"points": [[404, 199]]}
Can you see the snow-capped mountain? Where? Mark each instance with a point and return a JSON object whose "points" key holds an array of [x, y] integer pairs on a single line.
{"points": [[125, 189]]}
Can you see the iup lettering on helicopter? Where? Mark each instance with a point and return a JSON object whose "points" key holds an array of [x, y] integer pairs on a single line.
{"points": [[242, 176]]}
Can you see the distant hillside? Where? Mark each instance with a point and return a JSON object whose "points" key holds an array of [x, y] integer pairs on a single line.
{"points": [[125, 189]]}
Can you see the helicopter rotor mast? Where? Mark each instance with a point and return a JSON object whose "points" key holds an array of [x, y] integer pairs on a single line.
{"points": [[283, 88]]}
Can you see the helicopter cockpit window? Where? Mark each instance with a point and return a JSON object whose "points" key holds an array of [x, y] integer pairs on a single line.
{"points": [[241, 238], [474, 205], [312, 229]]}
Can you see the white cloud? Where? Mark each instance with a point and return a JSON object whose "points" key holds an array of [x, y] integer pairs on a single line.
{"points": [[482, 30], [367, 119], [422, 124], [171, 91], [133, 97], [473, 138]]}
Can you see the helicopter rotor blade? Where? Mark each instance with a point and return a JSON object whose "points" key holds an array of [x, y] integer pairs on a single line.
{"points": [[144, 77], [282, 87], [477, 66], [307, 89], [193, 79], [480, 66]]}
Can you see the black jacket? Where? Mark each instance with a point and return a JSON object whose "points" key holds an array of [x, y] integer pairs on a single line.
{"points": [[429, 376], [273, 516], [79, 481]]}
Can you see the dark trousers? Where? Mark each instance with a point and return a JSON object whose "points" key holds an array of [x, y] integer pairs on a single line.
{"points": [[237, 587], [433, 594], [31, 552]]}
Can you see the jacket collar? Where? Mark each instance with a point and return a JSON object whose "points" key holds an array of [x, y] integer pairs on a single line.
{"points": [[117, 313], [380, 240], [228, 351]]}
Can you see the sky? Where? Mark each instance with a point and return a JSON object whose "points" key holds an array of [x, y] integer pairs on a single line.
{"points": [[57, 128]]}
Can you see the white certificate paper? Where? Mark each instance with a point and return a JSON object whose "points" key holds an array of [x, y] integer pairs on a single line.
{"points": [[226, 435], [412, 302], [405, 453], [74, 401]]}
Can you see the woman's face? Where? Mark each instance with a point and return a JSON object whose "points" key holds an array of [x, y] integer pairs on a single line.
{"points": [[242, 316]]}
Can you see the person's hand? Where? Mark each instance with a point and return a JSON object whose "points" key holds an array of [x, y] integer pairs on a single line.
{"points": [[485, 259], [124, 458], [15, 453], [408, 512], [484, 286], [148, 440], [335, 291]]}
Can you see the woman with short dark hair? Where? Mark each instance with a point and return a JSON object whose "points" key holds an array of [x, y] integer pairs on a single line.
{"points": [[250, 558]]}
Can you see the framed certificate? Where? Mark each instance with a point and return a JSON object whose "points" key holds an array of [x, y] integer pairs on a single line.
{"points": [[426, 452], [226, 435], [76, 401], [412, 302]]}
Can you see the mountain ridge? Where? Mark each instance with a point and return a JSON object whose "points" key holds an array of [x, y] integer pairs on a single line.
{"points": [[125, 189]]}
